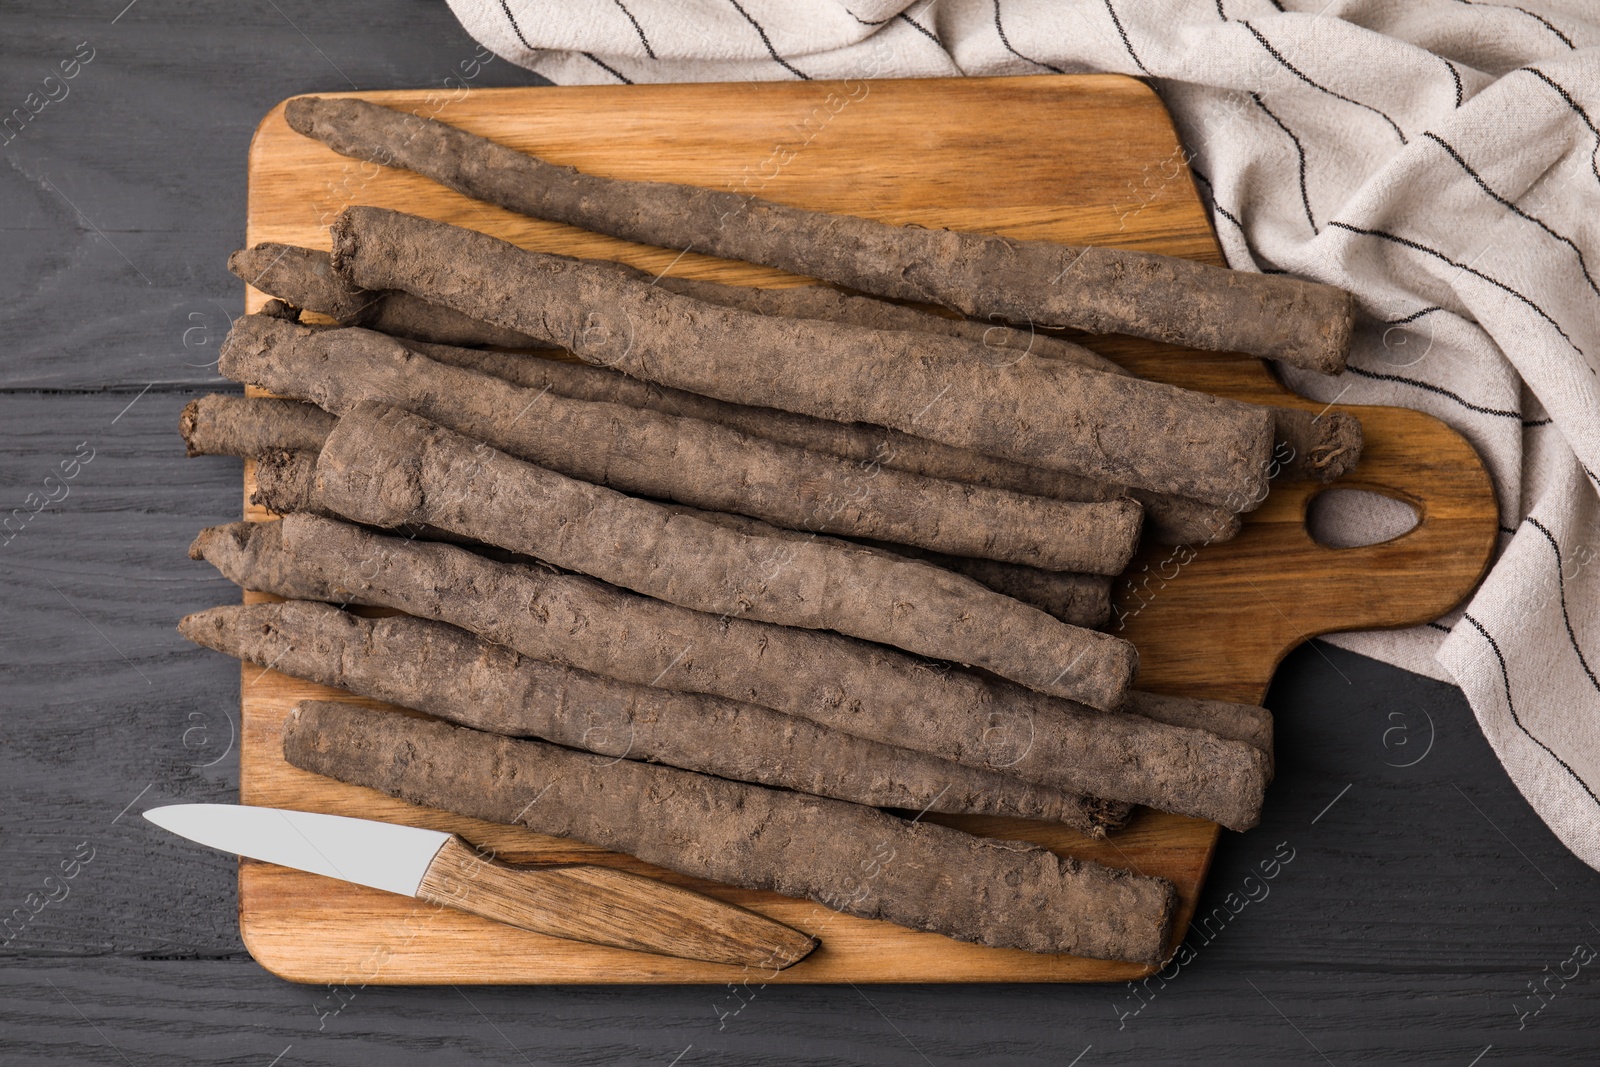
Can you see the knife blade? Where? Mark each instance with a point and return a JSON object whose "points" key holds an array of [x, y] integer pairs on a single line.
{"points": [[581, 902]]}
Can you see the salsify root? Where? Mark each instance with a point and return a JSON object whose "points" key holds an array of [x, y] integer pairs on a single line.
{"points": [[848, 857], [1080, 599], [1249, 723], [304, 278], [223, 425], [1047, 413], [387, 467], [987, 277], [448, 672], [867, 690], [286, 482], [1169, 519], [689, 460], [1321, 448]]}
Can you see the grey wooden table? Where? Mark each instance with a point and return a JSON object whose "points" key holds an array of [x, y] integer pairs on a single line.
{"points": [[1426, 915]]}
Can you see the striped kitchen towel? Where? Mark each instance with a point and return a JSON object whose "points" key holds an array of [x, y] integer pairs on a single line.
{"points": [[1438, 158]]}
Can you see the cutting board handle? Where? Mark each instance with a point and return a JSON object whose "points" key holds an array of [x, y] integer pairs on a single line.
{"points": [[1423, 573], [1273, 587]]}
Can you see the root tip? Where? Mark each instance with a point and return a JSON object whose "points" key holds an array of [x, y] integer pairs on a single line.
{"points": [[345, 242], [301, 114], [186, 423], [1337, 453]]}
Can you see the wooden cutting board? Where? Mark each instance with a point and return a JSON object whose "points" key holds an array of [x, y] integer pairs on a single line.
{"points": [[1082, 159]]}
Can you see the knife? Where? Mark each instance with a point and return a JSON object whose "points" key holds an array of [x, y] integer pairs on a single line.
{"points": [[581, 902]]}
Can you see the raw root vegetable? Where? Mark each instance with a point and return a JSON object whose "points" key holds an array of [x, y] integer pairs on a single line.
{"points": [[1321, 448], [1047, 413], [852, 858], [1079, 599], [251, 555], [450, 673], [223, 425], [1239, 722], [1007, 343], [304, 278], [388, 467], [1169, 519], [698, 463], [286, 482], [1306, 446], [1100, 290], [869, 691]]}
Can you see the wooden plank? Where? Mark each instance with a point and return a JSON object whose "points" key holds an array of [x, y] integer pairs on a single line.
{"points": [[208, 1013], [1215, 625]]}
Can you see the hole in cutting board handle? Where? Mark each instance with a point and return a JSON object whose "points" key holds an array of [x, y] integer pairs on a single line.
{"points": [[1355, 518]]}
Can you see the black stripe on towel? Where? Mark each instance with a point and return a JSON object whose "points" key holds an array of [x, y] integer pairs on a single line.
{"points": [[651, 52], [1505, 678], [613, 71], [1582, 114], [1298, 73], [870, 22], [1436, 389], [1305, 198], [1124, 35], [771, 51], [1502, 286], [1540, 19], [1001, 30], [1218, 208], [505, 5], [920, 28], [1583, 264], [1561, 585], [1413, 317]]}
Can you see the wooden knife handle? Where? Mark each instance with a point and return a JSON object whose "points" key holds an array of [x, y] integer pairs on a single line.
{"points": [[605, 906]]}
